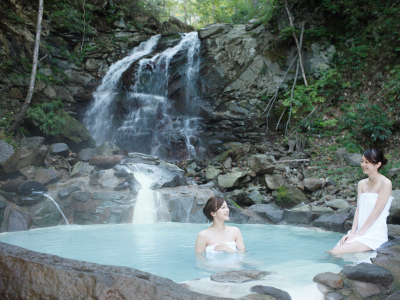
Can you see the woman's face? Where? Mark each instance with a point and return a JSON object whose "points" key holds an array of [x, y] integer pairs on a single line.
{"points": [[368, 167], [222, 213]]}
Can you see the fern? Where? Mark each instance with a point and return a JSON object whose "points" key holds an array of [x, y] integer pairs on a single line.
{"points": [[47, 117]]}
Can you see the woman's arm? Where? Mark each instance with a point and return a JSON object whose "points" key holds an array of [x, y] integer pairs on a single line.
{"points": [[239, 241], [200, 245], [384, 194], [355, 219]]}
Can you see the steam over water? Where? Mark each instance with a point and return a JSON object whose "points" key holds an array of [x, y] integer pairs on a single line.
{"points": [[156, 111]]}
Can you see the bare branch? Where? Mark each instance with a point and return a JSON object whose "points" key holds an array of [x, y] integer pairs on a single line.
{"points": [[297, 41], [18, 119], [84, 25], [291, 97]]}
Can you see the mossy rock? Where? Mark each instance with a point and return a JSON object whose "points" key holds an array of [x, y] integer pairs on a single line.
{"points": [[75, 135]]}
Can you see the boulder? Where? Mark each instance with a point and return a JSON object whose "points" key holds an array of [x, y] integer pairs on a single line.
{"points": [[31, 273], [341, 152], [313, 184], [237, 216], [242, 198], [32, 142], [85, 154], [107, 148], [290, 196], [256, 197], [181, 26], [394, 296], [262, 164], [24, 157], [366, 289], [65, 192], [28, 172], [273, 182], [2, 210], [337, 204], [353, 159], [214, 29], [269, 290], [75, 135], [228, 163], [334, 222], [82, 169], [131, 183], [59, 149], [6, 150], [239, 276], [370, 273], [299, 217], [15, 93], [332, 280], [82, 196], [47, 176], [211, 173], [18, 221], [235, 153], [230, 180], [271, 212], [45, 214]]}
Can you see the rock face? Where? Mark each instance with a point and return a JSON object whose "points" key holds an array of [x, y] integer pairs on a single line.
{"points": [[48, 276], [182, 204]]}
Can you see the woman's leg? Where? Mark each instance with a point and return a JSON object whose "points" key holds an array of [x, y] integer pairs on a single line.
{"points": [[352, 247]]}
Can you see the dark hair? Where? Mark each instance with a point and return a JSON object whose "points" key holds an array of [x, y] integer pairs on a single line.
{"points": [[375, 156], [212, 205]]}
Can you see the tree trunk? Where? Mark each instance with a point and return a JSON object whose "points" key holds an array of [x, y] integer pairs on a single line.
{"points": [[24, 109], [255, 3], [213, 12]]}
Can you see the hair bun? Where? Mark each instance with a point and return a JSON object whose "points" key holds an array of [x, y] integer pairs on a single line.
{"points": [[384, 161]]}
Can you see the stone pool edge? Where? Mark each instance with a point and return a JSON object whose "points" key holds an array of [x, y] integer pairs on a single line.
{"points": [[27, 274]]}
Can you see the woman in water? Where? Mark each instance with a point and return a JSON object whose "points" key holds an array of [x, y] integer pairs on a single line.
{"points": [[219, 237], [369, 230]]}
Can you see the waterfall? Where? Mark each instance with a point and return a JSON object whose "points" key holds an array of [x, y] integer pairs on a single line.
{"points": [[97, 119], [157, 113]]}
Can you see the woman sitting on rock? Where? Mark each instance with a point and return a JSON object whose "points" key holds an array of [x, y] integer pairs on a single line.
{"points": [[219, 237], [369, 230]]}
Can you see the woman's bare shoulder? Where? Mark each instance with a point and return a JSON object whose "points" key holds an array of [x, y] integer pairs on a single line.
{"points": [[386, 183], [233, 229]]}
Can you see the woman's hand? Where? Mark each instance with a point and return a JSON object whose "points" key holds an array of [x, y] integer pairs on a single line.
{"points": [[224, 247], [348, 238]]}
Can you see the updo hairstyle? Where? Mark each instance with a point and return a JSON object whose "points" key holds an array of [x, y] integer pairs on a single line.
{"points": [[212, 205], [375, 156]]}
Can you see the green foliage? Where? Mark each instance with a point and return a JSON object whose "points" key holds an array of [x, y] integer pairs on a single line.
{"points": [[282, 197], [367, 122], [47, 117], [306, 97]]}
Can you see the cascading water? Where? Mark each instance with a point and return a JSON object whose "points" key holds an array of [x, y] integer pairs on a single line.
{"points": [[155, 111]]}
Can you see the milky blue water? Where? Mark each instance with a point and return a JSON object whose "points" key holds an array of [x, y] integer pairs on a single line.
{"points": [[167, 249]]}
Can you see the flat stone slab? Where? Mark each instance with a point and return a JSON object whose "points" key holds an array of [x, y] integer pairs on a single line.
{"points": [[369, 273], [301, 217], [333, 222], [239, 276]]}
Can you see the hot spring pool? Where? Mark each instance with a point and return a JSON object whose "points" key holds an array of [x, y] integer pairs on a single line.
{"points": [[167, 249]]}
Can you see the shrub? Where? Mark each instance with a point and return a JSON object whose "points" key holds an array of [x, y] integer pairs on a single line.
{"points": [[46, 116]]}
